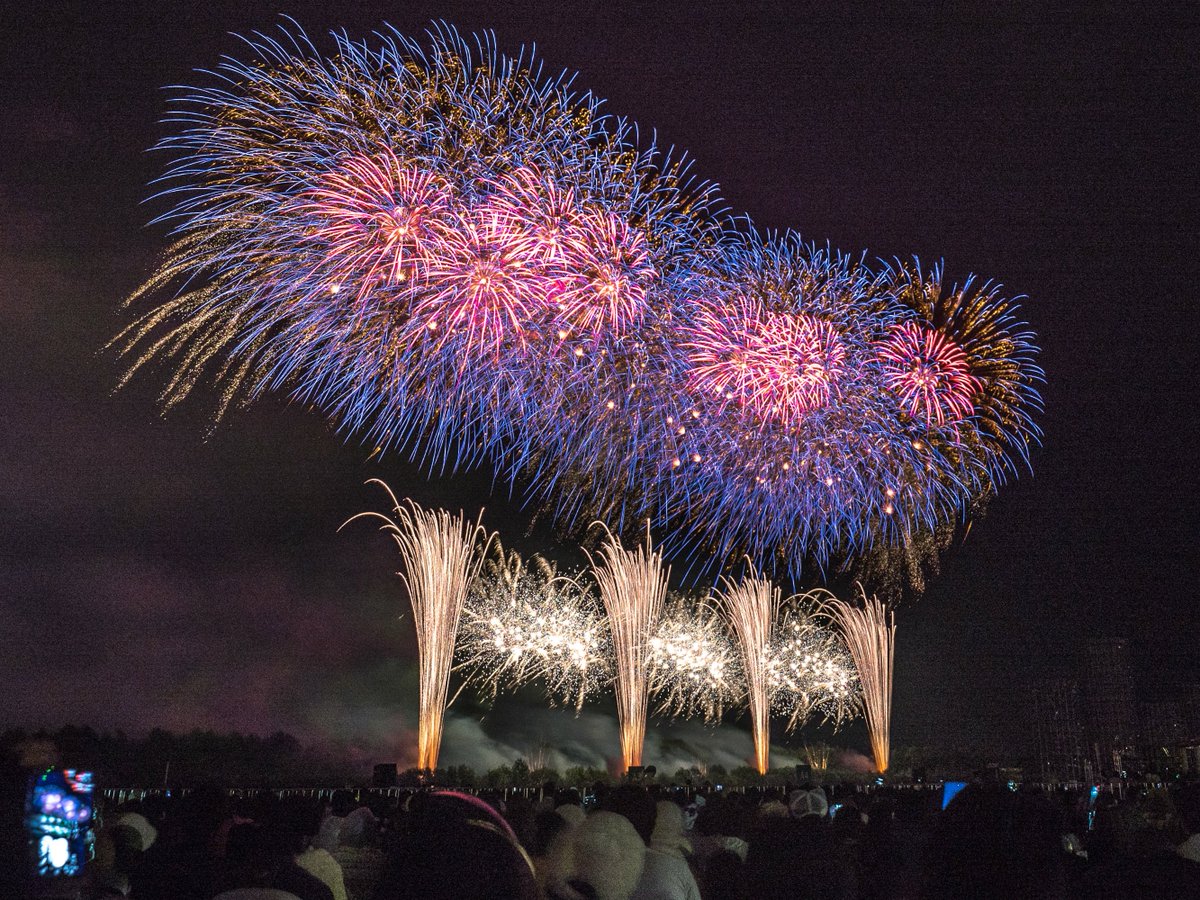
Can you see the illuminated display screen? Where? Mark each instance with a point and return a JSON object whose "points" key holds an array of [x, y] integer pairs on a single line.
{"points": [[58, 819]]}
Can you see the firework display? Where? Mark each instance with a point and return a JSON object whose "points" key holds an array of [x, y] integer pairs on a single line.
{"points": [[817, 756], [870, 634], [694, 668], [523, 622], [789, 662], [810, 672], [456, 257], [752, 606], [442, 555], [633, 589]]}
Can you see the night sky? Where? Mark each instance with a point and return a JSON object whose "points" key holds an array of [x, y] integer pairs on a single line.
{"points": [[157, 572]]}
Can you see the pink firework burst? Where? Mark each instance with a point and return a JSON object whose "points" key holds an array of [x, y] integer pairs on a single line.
{"points": [[777, 365], [480, 284], [605, 275], [542, 217], [929, 372], [377, 220]]}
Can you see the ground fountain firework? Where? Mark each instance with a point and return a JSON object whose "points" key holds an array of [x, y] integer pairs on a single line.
{"points": [[745, 645], [633, 589], [442, 554], [869, 629]]}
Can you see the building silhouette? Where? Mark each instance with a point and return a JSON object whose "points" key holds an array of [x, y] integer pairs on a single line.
{"points": [[1058, 713], [1111, 729]]}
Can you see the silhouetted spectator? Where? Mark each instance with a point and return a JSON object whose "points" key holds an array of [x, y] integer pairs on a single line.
{"points": [[1143, 861], [457, 847], [796, 858], [600, 859], [665, 874], [301, 817], [993, 842], [261, 857], [1188, 804]]}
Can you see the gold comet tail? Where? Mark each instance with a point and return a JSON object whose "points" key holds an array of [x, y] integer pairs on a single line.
{"points": [[442, 554], [870, 633], [633, 588], [752, 607]]}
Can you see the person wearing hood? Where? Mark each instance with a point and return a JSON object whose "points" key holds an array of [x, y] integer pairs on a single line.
{"points": [[666, 874], [601, 858]]}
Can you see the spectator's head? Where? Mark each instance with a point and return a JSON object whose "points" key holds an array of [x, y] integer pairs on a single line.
{"points": [[1188, 804], [252, 856], [343, 803], [668, 829], [456, 846], [635, 805], [300, 818], [810, 802], [567, 797], [147, 833], [546, 827], [601, 859], [995, 842], [796, 858], [722, 876]]}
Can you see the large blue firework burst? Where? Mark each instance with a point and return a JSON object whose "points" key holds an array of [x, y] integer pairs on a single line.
{"points": [[461, 259]]}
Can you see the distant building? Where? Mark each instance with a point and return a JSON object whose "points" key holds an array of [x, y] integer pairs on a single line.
{"points": [[1162, 723], [1057, 710], [1164, 737], [1108, 700], [1191, 710]]}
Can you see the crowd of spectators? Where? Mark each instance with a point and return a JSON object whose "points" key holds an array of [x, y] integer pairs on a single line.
{"points": [[634, 842]]}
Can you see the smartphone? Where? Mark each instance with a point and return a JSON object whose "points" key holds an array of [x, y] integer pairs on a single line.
{"points": [[59, 809]]}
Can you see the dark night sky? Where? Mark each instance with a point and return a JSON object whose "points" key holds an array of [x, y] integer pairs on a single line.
{"points": [[151, 574]]}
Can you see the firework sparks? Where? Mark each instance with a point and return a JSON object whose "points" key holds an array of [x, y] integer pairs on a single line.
{"points": [[542, 216], [870, 633], [442, 554], [524, 622], [809, 669], [788, 661], [608, 270], [480, 284], [376, 219], [929, 372], [818, 755], [779, 365], [694, 666], [559, 302], [752, 606], [633, 588]]}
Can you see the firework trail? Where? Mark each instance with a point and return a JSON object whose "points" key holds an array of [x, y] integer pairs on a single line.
{"points": [[818, 756], [870, 633], [442, 555], [752, 607], [457, 258], [633, 589]]}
